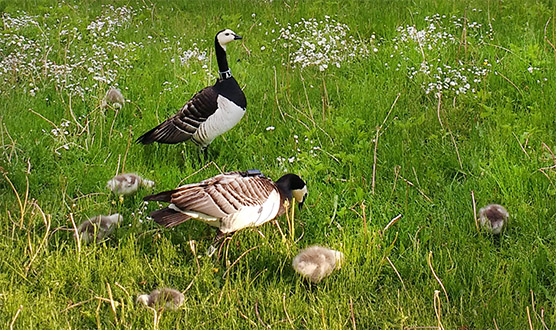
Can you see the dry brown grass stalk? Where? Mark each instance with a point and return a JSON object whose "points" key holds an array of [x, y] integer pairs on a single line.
{"points": [[237, 260], [529, 318], [429, 261], [259, 315], [77, 236], [437, 309], [397, 273], [352, 313], [286, 311], [475, 211], [15, 316], [376, 142], [521, 145], [47, 219], [392, 222]]}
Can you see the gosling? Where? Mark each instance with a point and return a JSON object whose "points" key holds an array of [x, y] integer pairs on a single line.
{"points": [[128, 184], [317, 262], [113, 98], [494, 218], [97, 228], [165, 297]]}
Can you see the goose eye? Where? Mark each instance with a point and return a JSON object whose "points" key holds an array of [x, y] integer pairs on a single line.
{"points": [[227, 34]]}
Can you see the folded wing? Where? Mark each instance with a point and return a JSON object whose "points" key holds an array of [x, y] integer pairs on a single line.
{"points": [[185, 123]]}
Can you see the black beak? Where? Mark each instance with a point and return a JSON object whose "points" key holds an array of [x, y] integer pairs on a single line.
{"points": [[236, 37], [300, 205]]}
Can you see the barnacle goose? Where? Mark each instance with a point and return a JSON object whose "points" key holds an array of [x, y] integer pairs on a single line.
{"points": [[127, 183], [165, 297], [230, 201], [493, 218], [317, 262], [211, 112], [98, 227]]}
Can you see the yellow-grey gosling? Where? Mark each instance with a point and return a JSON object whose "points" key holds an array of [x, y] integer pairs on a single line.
{"points": [[165, 297], [98, 227], [114, 98], [128, 183], [493, 218], [317, 262]]}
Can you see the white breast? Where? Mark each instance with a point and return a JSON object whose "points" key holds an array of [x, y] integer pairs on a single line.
{"points": [[251, 216], [222, 120]]}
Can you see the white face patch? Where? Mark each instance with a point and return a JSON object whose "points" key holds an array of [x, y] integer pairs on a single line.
{"points": [[299, 194], [225, 37]]}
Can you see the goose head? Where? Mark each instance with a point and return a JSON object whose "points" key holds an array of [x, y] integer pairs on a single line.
{"points": [[293, 187], [226, 36]]}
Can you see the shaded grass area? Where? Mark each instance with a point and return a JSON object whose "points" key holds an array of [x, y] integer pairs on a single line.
{"points": [[432, 151]]}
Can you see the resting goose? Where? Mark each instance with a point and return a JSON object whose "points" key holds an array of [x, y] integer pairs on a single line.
{"points": [[316, 262], [230, 201], [98, 227], [493, 218], [211, 112], [165, 297]]}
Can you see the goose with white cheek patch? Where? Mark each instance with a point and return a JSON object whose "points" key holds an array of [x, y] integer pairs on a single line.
{"points": [[493, 218], [317, 262], [211, 112], [230, 201]]}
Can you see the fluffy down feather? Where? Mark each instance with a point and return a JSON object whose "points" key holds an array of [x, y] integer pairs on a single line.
{"points": [[98, 227], [165, 297], [493, 218], [317, 262], [128, 183]]}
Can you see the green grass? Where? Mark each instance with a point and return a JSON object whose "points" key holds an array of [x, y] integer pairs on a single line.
{"points": [[430, 156]]}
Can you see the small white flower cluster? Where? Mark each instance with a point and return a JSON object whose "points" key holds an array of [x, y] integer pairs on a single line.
{"points": [[306, 148], [60, 134], [61, 130], [448, 78], [139, 212], [196, 57], [19, 22], [429, 44], [320, 43], [193, 53], [112, 18], [55, 55]]}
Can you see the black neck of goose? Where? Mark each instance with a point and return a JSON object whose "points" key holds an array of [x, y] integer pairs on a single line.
{"points": [[223, 69], [285, 190]]}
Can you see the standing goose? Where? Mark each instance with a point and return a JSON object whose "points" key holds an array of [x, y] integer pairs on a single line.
{"points": [[211, 112], [230, 201]]}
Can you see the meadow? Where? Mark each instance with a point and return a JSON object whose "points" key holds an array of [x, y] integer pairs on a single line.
{"points": [[424, 109]]}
